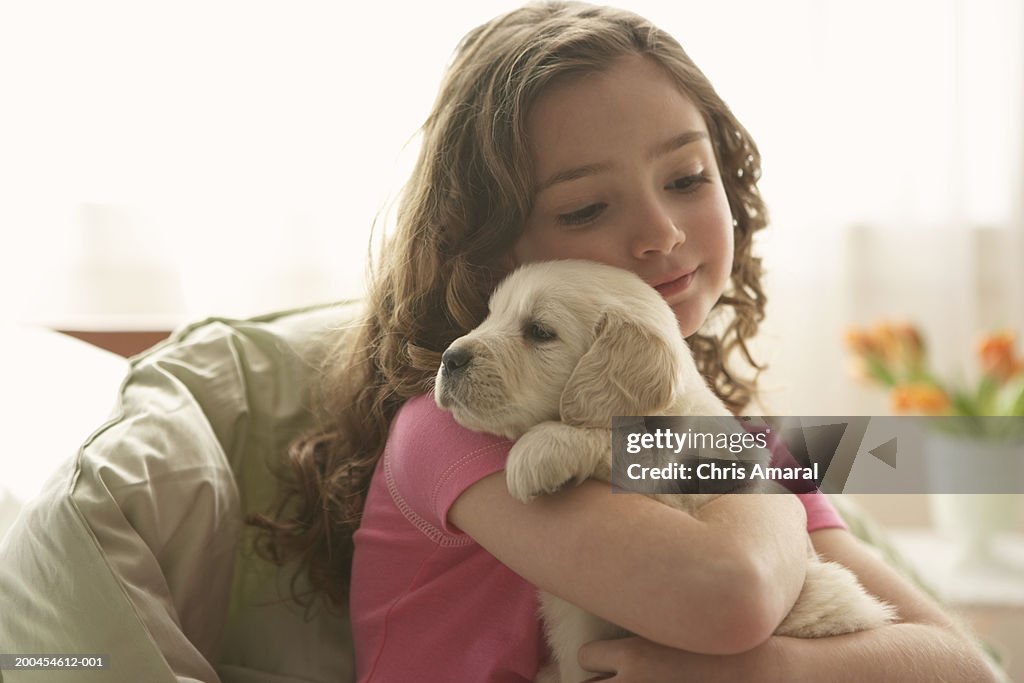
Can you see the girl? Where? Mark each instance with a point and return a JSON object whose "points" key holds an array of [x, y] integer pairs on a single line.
{"points": [[564, 130]]}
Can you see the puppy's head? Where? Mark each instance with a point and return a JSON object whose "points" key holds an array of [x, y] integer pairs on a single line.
{"points": [[571, 340]]}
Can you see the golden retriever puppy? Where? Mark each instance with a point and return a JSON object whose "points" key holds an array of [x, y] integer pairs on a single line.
{"points": [[566, 346]]}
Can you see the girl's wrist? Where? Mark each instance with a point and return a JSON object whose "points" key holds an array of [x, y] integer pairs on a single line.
{"points": [[765, 539]]}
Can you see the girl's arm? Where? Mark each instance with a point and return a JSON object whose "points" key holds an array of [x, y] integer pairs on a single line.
{"points": [[925, 646], [718, 583]]}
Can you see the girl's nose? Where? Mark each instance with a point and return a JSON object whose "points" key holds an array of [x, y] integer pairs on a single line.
{"points": [[655, 231]]}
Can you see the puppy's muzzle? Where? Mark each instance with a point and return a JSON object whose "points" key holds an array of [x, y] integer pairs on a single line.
{"points": [[454, 361]]}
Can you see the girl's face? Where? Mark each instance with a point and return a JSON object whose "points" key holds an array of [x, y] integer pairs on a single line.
{"points": [[626, 175]]}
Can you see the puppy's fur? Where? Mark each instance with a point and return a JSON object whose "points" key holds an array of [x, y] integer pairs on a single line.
{"points": [[566, 346]]}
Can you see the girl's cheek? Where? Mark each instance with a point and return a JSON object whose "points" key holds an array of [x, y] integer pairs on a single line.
{"points": [[716, 222]]}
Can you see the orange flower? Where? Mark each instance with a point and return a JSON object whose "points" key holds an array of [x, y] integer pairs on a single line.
{"points": [[924, 399], [860, 342], [893, 341], [889, 352], [998, 357], [887, 340], [910, 340]]}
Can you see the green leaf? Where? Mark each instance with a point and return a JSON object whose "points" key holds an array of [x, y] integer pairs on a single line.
{"points": [[963, 404], [1017, 404], [880, 372], [988, 390]]}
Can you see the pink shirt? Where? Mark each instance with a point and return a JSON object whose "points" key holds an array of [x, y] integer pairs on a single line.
{"points": [[428, 603]]}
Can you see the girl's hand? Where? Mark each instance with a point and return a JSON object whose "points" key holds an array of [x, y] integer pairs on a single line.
{"points": [[637, 660]]}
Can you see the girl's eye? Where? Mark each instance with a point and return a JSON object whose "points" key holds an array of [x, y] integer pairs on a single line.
{"points": [[538, 332], [582, 216], [689, 183], [590, 213]]}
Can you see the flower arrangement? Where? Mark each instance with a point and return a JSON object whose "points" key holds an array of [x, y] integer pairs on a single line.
{"points": [[895, 356]]}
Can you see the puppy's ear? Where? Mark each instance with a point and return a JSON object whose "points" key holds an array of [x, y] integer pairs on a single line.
{"points": [[629, 370]]}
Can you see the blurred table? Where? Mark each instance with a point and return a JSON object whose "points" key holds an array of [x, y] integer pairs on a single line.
{"points": [[123, 343], [55, 392]]}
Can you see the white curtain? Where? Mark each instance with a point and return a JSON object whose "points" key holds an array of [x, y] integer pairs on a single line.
{"points": [[161, 163]]}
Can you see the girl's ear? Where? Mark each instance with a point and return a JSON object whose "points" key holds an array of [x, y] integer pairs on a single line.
{"points": [[629, 370]]}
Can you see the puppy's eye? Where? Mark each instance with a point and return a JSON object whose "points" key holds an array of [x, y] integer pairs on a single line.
{"points": [[538, 332]]}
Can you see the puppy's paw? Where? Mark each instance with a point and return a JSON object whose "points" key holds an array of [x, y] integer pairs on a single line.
{"points": [[539, 463], [833, 602]]}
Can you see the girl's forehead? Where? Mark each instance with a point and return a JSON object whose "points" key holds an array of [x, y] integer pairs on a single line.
{"points": [[632, 107]]}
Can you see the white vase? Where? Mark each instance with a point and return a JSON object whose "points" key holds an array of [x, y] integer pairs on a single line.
{"points": [[957, 463]]}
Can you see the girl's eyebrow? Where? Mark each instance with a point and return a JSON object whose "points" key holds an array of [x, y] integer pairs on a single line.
{"points": [[675, 143], [658, 150]]}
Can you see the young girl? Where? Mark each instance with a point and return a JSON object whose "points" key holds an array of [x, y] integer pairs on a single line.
{"points": [[565, 130]]}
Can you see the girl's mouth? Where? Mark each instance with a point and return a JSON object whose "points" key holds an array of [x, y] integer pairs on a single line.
{"points": [[680, 284]]}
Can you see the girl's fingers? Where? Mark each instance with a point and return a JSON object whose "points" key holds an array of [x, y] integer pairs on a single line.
{"points": [[601, 656]]}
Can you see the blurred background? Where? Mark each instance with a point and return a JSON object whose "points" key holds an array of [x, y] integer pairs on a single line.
{"points": [[163, 163], [160, 163]]}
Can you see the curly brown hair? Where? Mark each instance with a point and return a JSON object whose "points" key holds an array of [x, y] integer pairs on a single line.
{"points": [[459, 216]]}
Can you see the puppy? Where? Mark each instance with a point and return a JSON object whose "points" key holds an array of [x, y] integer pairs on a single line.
{"points": [[566, 346]]}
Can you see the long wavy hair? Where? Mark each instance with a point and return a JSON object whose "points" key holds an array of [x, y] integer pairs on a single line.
{"points": [[459, 216]]}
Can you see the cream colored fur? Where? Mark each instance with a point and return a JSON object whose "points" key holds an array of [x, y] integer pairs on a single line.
{"points": [[615, 350]]}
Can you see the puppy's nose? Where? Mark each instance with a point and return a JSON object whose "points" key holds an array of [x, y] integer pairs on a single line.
{"points": [[454, 359]]}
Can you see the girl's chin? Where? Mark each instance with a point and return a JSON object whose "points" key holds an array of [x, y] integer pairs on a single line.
{"points": [[691, 316]]}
